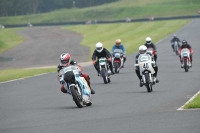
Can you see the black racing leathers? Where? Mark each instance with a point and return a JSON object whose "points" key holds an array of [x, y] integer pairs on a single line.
{"points": [[137, 70], [154, 48], [104, 53]]}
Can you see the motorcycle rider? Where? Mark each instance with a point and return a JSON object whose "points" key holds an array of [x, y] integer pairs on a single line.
{"points": [[175, 38], [186, 45], [143, 50], [118, 45], [101, 52], [149, 44], [65, 59]]}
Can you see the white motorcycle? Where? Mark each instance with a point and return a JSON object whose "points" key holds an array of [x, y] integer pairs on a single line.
{"points": [[104, 70], [185, 56], [76, 86], [145, 65], [117, 60], [176, 47]]}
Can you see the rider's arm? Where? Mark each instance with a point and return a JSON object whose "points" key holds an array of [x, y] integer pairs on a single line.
{"points": [[94, 55], [136, 58], [124, 50], [113, 48], [154, 47]]}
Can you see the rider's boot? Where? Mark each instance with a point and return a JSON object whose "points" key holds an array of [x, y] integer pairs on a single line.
{"points": [[141, 83], [63, 89], [182, 65]]}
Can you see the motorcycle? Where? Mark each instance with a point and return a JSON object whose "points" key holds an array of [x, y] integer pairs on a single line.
{"points": [[76, 86], [151, 50], [185, 56], [145, 65], [176, 47], [117, 60], [104, 70]]}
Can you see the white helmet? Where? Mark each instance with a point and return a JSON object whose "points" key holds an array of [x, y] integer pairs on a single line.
{"points": [[142, 49], [99, 47], [148, 40]]}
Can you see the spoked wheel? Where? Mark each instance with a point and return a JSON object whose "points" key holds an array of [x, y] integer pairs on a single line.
{"points": [[76, 96], [104, 76], [116, 65], [186, 66], [148, 83]]}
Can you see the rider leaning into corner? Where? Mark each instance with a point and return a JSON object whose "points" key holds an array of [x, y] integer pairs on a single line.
{"points": [[65, 60], [175, 38], [143, 50], [101, 52], [186, 45], [118, 45]]}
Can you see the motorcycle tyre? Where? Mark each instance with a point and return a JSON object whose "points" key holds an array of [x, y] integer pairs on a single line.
{"points": [[104, 76], [148, 84], [116, 65], [185, 66], [75, 96]]}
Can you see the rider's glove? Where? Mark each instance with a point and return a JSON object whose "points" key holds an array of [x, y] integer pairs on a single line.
{"points": [[109, 59], [94, 61]]}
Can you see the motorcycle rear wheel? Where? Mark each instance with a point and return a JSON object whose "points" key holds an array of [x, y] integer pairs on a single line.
{"points": [[77, 98]]}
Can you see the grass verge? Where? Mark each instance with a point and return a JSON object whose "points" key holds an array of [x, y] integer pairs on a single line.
{"points": [[195, 103], [116, 10], [132, 34], [9, 39], [11, 74]]}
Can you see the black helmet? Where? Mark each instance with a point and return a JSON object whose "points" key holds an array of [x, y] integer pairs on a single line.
{"points": [[184, 42]]}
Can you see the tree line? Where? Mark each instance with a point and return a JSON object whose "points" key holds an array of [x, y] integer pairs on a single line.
{"points": [[25, 7]]}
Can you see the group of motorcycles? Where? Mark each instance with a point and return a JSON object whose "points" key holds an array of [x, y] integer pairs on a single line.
{"points": [[185, 55], [81, 92], [77, 86]]}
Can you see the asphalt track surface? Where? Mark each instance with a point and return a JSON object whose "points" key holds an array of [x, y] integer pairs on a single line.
{"points": [[36, 105], [42, 47]]}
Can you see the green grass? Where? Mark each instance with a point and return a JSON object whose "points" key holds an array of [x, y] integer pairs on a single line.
{"points": [[10, 74], [194, 103], [117, 10], [132, 34], [9, 39]]}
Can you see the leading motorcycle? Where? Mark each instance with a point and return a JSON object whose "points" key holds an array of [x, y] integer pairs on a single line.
{"points": [[117, 60], [145, 65], [76, 86]]}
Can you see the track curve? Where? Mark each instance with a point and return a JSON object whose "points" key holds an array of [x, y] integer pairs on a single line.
{"points": [[37, 105]]}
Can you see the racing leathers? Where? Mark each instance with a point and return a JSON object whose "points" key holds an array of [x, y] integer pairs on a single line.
{"points": [[104, 53], [86, 76], [121, 46], [154, 48]]}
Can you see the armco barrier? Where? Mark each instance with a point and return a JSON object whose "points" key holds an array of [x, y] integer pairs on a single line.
{"points": [[103, 22]]}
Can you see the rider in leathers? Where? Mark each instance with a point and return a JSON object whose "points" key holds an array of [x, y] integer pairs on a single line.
{"points": [[186, 45], [175, 39], [118, 45], [65, 59], [101, 52], [143, 50], [149, 44]]}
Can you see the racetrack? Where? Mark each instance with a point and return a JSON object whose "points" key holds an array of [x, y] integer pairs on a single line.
{"points": [[36, 104], [42, 47]]}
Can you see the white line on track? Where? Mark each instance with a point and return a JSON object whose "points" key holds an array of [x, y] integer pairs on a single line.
{"points": [[192, 98]]}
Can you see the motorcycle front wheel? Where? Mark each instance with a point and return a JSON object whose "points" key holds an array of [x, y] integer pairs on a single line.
{"points": [[76, 96], [104, 76], [116, 65], [185, 65], [148, 83]]}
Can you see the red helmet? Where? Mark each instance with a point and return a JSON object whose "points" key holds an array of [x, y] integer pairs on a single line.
{"points": [[65, 59]]}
